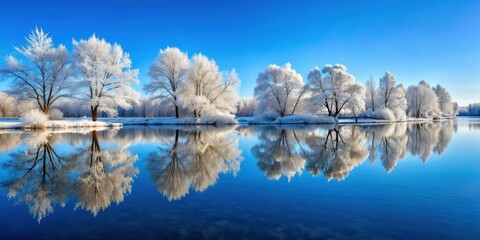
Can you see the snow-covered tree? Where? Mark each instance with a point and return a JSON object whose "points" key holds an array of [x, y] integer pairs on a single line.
{"points": [[444, 100], [279, 91], [455, 108], [209, 92], [333, 88], [44, 72], [7, 105], [370, 94], [392, 96], [357, 104], [168, 73], [246, 106], [422, 101], [106, 75], [386, 89]]}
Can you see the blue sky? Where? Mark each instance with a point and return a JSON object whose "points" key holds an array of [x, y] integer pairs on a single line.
{"points": [[437, 41]]}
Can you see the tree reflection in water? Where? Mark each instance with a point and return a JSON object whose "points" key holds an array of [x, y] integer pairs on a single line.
{"points": [[193, 158], [284, 151], [105, 176], [40, 177], [98, 169], [388, 142], [335, 151]]}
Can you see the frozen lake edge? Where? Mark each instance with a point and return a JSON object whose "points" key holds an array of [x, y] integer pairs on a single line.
{"points": [[12, 123]]}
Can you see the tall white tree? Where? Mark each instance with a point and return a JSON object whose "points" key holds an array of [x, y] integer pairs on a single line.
{"points": [[279, 90], [392, 96], [246, 106], [168, 73], [422, 101], [386, 89], [106, 74], [370, 94], [333, 88], [444, 100], [44, 72], [209, 92], [357, 104]]}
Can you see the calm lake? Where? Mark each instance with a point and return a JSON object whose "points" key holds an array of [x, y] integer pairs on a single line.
{"points": [[387, 181]]}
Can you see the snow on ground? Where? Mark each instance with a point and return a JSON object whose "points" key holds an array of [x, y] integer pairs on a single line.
{"points": [[72, 123], [173, 121], [12, 123], [82, 130], [295, 119], [371, 120], [315, 119]]}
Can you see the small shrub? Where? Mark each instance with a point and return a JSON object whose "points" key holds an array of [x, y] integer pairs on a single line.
{"points": [[35, 119]]}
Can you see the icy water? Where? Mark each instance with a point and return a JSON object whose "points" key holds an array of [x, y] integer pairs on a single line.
{"points": [[395, 181]]}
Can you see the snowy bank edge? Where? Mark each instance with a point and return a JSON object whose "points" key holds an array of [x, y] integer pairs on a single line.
{"points": [[311, 119], [174, 121], [61, 124]]}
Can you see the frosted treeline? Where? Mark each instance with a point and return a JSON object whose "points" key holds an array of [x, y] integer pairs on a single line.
{"points": [[96, 79], [333, 91]]}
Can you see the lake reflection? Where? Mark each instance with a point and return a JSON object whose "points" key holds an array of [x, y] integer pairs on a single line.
{"points": [[193, 158], [93, 170], [41, 177], [335, 151]]}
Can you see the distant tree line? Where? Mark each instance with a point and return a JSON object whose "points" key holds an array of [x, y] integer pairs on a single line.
{"points": [[472, 109], [281, 91]]}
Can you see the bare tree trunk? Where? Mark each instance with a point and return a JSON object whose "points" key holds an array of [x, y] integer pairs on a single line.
{"points": [[94, 113], [177, 115]]}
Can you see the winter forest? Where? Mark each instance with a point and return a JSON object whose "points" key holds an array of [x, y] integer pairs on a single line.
{"points": [[96, 78]]}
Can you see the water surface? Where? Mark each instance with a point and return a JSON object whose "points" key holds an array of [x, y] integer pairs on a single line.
{"points": [[388, 181]]}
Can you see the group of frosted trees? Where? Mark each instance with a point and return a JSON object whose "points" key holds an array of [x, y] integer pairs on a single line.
{"points": [[281, 91], [193, 87], [99, 75], [97, 72]]}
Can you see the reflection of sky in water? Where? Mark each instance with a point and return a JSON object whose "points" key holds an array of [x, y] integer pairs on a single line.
{"points": [[435, 199]]}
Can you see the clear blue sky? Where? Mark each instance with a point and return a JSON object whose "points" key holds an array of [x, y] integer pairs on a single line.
{"points": [[437, 41]]}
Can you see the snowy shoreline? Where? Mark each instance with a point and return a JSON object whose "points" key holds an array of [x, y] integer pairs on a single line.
{"points": [[330, 120], [59, 124], [69, 123]]}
